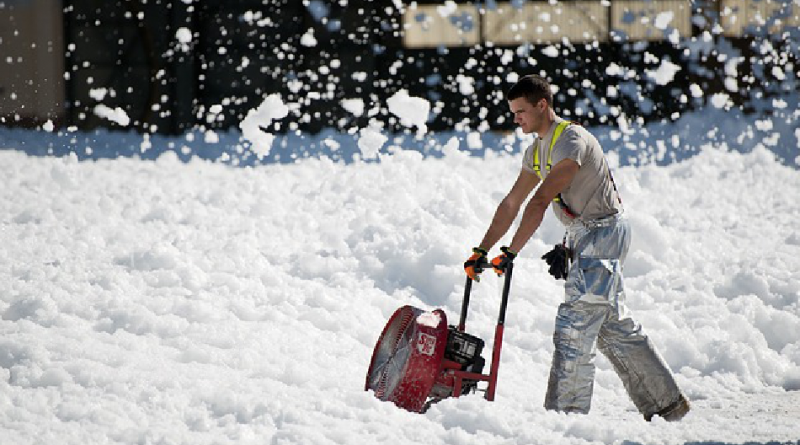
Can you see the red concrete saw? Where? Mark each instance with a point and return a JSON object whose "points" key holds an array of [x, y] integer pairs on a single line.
{"points": [[419, 359]]}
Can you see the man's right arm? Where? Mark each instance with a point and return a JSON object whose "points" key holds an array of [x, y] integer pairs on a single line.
{"points": [[509, 208]]}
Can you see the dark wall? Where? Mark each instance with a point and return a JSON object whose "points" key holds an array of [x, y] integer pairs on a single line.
{"points": [[236, 59]]}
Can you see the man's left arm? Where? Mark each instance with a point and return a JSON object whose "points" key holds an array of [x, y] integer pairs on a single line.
{"points": [[559, 178]]}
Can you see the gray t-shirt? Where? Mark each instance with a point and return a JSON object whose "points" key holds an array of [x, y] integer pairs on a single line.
{"points": [[591, 194]]}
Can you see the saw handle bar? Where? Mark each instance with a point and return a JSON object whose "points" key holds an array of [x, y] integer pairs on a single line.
{"points": [[480, 267], [498, 331], [482, 263]]}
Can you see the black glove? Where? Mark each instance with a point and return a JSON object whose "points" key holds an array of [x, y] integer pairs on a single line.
{"points": [[501, 262], [558, 260]]}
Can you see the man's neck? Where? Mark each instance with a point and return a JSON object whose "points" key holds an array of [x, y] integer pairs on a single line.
{"points": [[550, 118]]}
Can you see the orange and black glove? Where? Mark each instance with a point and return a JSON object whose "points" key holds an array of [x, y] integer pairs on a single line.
{"points": [[501, 262], [476, 263]]}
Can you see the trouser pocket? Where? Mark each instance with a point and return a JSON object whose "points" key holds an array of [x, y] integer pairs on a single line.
{"points": [[592, 280]]}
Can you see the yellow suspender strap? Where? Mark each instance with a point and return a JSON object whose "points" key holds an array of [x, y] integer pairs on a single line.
{"points": [[538, 168]]}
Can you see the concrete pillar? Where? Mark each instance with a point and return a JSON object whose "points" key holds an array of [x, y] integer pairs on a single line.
{"points": [[31, 62]]}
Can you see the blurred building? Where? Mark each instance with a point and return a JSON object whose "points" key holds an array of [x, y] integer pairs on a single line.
{"points": [[174, 65]]}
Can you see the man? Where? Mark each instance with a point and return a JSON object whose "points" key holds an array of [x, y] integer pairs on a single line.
{"points": [[575, 177]]}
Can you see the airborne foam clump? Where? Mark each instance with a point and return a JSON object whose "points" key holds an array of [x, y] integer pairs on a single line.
{"points": [[665, 72], [184, 35], [719, 100], [466, 84], [412, 111], [663, 19], [98, 94], [614, 70], [117, 114], [474, 141], [308, 40], [354, 106], [550, 51], [449, 8], [370, 142], [252, 126]]}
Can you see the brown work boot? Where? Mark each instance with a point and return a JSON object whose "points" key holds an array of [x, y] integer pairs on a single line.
{"points": [[672, 413]]}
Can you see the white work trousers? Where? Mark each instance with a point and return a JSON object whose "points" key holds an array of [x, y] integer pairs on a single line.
{"points": [[594, 313]]}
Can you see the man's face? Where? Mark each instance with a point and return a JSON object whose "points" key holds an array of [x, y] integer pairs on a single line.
{"points": [[528, 116]]}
